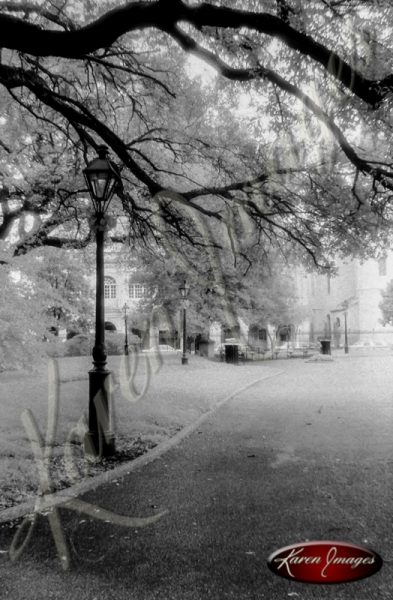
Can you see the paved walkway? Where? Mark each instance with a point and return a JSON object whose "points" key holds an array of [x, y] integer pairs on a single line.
{"points": [[305, 455]]}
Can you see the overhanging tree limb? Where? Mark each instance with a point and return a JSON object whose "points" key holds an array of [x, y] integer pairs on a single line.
{"points": [[382, 175], [103, 98], [17, 34], [76, 114]]}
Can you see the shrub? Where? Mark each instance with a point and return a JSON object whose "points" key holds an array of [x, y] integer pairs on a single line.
{"points": [[114, 342], [54, 348], [79, 345], [82, 344]]}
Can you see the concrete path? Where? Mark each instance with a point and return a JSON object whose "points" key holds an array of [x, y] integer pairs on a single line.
{"points": [[302, 456]]}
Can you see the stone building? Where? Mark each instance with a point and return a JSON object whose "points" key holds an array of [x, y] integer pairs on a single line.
{"points": [[354, 295], [124, 293]]}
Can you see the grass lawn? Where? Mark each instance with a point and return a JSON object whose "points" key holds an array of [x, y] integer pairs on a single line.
{"points": [[161, 400]]}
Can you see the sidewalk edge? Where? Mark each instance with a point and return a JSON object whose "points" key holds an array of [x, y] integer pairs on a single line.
{"points": [[62, 496]]}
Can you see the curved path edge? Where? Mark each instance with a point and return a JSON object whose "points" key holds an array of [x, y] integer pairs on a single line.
{"points": [[63, 496]]}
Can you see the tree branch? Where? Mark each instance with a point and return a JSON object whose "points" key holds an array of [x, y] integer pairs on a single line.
{"points": [[77, 114], [26, 37], [233, 74], [239, 185], [30, 8]]}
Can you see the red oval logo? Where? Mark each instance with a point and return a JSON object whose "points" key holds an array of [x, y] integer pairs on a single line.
{"points": [[324, 562]]}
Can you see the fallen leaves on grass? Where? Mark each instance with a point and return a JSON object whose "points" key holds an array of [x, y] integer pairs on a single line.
{"points": [[17, 491]]}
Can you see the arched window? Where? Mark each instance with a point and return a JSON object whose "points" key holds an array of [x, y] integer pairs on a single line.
{"points": [[136, 290], [109, 287]]}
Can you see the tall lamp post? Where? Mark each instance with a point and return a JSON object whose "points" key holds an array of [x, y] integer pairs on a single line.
{"points": [[125, 309], [184, 291], [103, 179]]}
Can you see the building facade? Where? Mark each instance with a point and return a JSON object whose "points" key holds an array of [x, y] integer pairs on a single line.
{"points": [[352, 296], [125, 296]]}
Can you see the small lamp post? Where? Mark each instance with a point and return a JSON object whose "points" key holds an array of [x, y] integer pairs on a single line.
{"points": [[125, 309], [103, 179], [184, 291]]}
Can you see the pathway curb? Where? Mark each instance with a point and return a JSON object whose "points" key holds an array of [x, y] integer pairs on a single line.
{"points": [[63, 496]]}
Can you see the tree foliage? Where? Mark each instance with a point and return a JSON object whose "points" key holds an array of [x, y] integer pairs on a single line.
{"points": [[220, 289], [386, 304], [65, 287], [40, 293], [21, 322], [288, 137]]}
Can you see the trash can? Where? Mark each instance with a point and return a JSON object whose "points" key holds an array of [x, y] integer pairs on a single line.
{"points": [[325, 346], [232, 353]]}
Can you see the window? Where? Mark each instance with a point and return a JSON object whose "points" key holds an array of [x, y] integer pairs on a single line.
{"points": [[109, 287], [382, 266], [136, 290]]}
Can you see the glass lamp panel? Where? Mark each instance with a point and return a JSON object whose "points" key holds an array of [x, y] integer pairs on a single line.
{"points": [[184, 289], [103, 189], [99, 181], [111, 186]]}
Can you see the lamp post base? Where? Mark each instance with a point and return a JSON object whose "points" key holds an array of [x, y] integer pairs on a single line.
{"points": [[100, 439], [184, 360], [91, 445]]}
